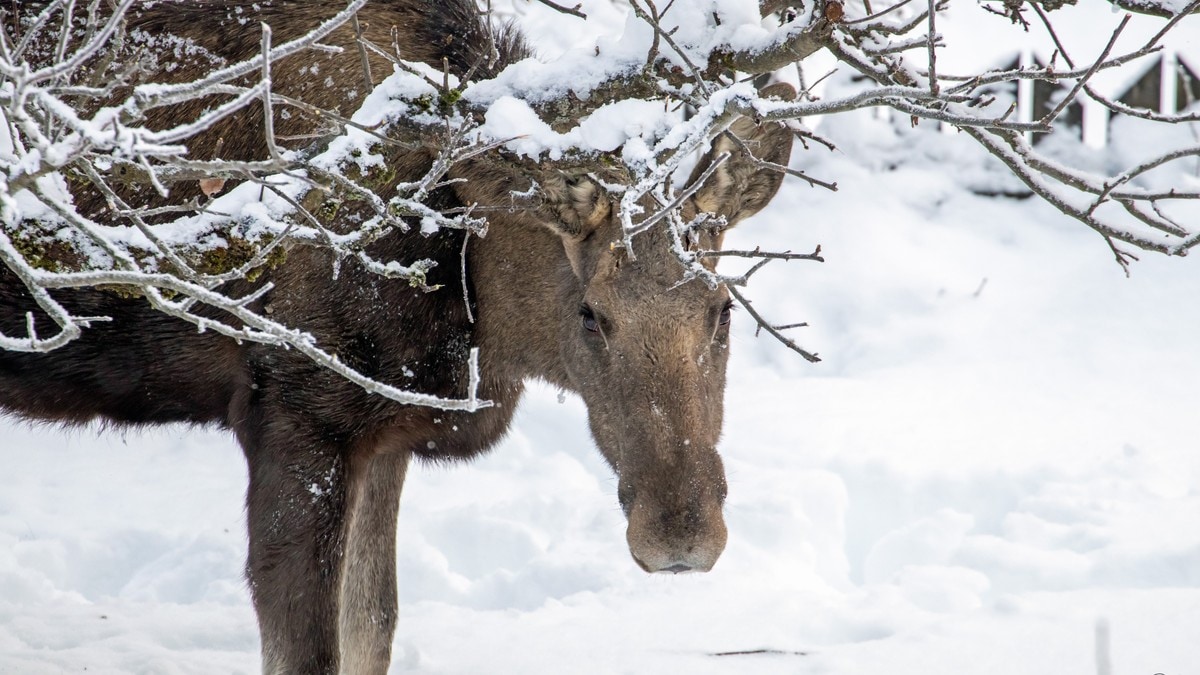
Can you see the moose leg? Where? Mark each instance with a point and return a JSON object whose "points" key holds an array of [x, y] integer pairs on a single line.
{"points": [[368, 607], [296, 509]]}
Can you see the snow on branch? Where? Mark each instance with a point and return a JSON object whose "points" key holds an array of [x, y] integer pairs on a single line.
{"points": [[85, 105], [74, 119], [1141, 221]]}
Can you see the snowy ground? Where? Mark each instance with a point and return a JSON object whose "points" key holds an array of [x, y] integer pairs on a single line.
{"points": [[998, 452]]}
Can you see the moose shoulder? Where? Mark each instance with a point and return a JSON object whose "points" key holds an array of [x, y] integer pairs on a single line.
{"points": [[550, 298]]}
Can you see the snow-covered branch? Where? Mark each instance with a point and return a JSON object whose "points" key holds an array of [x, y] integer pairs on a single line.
{"points": [[116, 170], [66, 140], [1077, 192]]}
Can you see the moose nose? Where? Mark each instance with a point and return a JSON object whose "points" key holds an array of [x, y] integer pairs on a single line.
{"points": [[660, 544], [671, 564]]}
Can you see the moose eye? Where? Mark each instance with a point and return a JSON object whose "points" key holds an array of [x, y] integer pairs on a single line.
{"points": [[589, 319], [726, 314]]}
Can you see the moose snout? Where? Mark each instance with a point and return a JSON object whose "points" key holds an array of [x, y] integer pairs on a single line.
{"points": [[677, 539]]}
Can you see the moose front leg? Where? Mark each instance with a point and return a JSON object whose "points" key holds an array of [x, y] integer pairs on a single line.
{"points": [[296, 511], [368, 607]]}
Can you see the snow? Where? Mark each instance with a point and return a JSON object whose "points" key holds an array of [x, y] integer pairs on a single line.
{"points": [[996, 456]]}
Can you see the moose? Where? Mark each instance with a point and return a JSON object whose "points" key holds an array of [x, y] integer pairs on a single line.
{"points": [[548, 297]]}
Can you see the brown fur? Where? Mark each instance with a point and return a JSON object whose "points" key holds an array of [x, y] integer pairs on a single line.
{"points": [[327, 460]]}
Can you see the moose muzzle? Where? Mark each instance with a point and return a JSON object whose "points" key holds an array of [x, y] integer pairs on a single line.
{"points": [[687, 539], [675, 517]]}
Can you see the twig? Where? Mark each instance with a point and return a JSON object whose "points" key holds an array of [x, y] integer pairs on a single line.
{"points": [[787, 342], [931, 39], [362, 54], [573, 11], [759, 254], [877, 15], [1062, 105]]}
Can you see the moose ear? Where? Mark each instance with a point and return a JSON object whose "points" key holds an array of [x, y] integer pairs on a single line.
{"points": [[740, 187], [572, 206]]}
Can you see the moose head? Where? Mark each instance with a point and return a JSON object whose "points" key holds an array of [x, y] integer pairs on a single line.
{"points": [[644, 344]]}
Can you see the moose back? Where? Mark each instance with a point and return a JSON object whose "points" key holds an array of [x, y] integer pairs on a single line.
{"points": [[549, 298]]}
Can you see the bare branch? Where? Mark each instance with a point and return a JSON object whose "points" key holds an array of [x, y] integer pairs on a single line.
{"points": [[811, 357], [573, 11], [1153, 8]]}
